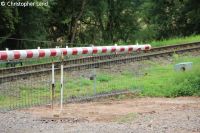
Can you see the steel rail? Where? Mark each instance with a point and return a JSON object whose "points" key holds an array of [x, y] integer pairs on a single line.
{"points": [[4, 71], [101, 63]]}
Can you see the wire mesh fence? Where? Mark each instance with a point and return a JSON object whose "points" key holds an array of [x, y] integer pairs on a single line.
{"points": [[88, 76], [83, 77], [23, 88]]}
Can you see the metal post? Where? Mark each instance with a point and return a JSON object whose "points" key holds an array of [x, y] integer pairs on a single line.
{"points": [[53, 85], [94, 76], [61, 83]]}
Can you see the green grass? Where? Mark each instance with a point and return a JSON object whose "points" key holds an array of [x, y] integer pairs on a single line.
{"points": [[26, 96], [173, 41], [163, 81], [104, 83], [166, 42], [156, 80]]}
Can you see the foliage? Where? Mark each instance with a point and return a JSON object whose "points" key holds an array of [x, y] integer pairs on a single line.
{"points": [[100, 22], [33, 26], [172, 18], [104, 78], [173, 41], [188, 83], [158, 80], [29, 23], [164, 81], [9, 18]]}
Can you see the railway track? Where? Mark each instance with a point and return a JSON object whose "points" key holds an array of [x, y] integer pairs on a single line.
{"points": [[95, 61], [95, 58]]}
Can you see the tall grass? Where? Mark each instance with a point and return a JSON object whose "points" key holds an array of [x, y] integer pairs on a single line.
{"points": [[164, 81], [156, 80], [173, 41]]}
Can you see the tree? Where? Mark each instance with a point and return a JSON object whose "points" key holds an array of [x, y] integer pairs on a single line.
{"points": [[9, 18], [33, 26], [65, 17], [189, 21], [172, 18], [28, 23]]}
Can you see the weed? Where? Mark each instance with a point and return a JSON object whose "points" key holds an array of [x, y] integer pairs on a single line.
{"points": [[126, 118], [173, 41]]}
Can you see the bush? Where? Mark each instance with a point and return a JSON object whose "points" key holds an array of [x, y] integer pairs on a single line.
{"points": [[103, 78], [186, 83]]}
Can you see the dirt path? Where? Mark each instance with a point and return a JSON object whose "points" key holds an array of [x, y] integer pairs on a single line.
{"points": [[127, 115]]}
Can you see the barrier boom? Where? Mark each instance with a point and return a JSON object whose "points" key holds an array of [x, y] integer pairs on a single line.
{"points": [[41, 53]]}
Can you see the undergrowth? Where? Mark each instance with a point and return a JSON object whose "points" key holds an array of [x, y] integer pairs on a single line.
{"points": [[165, 81]]}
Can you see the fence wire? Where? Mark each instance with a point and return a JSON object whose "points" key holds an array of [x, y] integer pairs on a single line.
{"points": [[83, 78], [28, 89]]}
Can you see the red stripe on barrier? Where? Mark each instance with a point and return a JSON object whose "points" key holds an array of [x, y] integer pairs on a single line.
{"points": [[94, 50], [64, 51], [16, 54], [29, 54], [41, 53], [74, 51], [104, 50], [122, 49], [146, 47], [53, 52], [130, 49], [3, 56], [85, 51], [113, 49], [138, 50]]}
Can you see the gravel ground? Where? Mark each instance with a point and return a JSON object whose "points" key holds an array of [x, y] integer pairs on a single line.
{"points": [[149, 115]]}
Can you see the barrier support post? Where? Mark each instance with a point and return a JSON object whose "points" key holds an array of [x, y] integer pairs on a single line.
{"points": [[53, 85], [95, 82], [61, 83]]}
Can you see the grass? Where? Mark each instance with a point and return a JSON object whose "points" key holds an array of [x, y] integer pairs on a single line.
{"points": [[173, 41], [163, 81], [27, 96], [126, 118], [156, 80], [104, 83]]}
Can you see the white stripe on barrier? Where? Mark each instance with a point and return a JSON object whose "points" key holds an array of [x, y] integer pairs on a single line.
{"points": [[23, 54], [40, 53], [10, 55], [35, 53]]}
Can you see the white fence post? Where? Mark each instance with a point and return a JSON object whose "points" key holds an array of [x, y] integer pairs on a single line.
{"points": [[53, 84], [61, 83]]}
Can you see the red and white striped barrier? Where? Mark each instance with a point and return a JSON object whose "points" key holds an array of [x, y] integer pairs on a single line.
{"points": [[40, 53]]}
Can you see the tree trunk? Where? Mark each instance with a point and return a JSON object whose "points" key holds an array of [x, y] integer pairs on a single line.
{"points": [[110, 24], [75, 24]]}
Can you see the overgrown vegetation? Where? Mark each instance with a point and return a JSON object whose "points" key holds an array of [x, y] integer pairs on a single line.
{"points": [[173, 41], [164, 81], [156, 80]]}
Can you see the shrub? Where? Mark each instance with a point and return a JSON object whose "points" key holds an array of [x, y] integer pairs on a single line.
{"points": [[187, 83]]}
